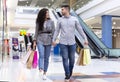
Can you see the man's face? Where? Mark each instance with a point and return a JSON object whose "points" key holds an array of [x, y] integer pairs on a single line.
{"points": [[63, 11]]}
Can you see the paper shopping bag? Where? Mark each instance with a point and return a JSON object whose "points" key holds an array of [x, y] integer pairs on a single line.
{"points": [[86, 57], [30, 60], [80, 58], [25, 58]]}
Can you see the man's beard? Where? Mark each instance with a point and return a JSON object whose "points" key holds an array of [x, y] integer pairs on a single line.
{"points": [[63, 14]]}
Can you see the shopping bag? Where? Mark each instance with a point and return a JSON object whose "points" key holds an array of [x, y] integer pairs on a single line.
{"points": [[35, 60], [86, 57], [80, 58], [30, 60], [25, 58]]}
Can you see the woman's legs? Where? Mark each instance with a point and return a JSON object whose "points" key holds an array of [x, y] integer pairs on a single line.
{"points": [[41, 56], [46, 57]]}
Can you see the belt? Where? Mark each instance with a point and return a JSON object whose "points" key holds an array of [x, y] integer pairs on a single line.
{"points": [[47, 32]]}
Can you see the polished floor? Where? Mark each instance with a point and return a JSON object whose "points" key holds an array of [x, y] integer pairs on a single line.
{"points": [[100, 70]]}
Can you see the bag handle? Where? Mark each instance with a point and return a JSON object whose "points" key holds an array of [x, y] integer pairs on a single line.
{"points": [[86, 47], [34, 48]]}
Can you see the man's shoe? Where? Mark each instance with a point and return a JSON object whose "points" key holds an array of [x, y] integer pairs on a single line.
{"points": [[70, 74], [67, 77]]}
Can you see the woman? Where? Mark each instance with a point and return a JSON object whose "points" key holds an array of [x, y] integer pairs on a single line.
{"points": [[43, 39]]}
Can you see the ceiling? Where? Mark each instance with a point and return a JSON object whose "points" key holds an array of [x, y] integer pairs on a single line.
{"points": [[12, 5], [80, 3], [36, 3], [94, 22], [52, 3]]}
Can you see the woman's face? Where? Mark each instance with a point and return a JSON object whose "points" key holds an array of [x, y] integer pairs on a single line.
{"points": [[47, 15]]}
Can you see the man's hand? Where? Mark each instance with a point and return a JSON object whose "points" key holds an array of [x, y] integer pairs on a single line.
{"points": [[86, 43], [54, 44]]}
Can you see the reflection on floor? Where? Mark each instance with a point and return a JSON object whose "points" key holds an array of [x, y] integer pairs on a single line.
{"points": [[100, 70]]}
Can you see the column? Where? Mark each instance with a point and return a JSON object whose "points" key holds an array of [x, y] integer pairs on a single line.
{"points": [[107, 30]]}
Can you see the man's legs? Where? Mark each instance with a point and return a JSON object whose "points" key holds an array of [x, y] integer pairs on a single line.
{"points": [[71, 55], [64, 54]]}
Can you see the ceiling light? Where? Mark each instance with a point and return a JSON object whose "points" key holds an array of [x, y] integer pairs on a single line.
{"points": [[114, 23], [77, 5], [52, 0], [82, 2], [49, 4], [27, 2]]}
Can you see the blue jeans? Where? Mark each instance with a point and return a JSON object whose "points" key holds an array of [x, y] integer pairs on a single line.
{"points": [[68, 56], [44, 54]]}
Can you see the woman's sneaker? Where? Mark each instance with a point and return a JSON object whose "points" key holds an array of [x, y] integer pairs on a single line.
{"points": [[41, 71], [44, 77]]}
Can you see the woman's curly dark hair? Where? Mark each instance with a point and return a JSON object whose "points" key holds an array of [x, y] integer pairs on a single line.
{"points": [[41, 18]]}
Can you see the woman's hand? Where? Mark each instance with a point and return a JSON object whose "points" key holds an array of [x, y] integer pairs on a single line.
{"points": [[34, 44]]}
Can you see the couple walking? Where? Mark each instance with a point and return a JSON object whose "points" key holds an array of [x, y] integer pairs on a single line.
{"points": [[46, 35]]}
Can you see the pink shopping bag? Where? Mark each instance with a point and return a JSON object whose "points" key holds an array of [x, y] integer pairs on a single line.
{"points": [[35, 60]]}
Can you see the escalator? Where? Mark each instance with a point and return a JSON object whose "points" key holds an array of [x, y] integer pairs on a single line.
{"points": [[95, 43]]}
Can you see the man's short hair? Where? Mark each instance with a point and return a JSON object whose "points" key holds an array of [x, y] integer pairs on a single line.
{"points": [[66, 6]]}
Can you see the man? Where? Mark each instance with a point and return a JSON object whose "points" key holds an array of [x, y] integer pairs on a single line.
{"points": [[66, 25]]}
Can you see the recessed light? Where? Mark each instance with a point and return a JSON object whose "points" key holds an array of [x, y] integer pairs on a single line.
{"points": [[114, 23], [49, 4], [82, 2], [52, 0]]}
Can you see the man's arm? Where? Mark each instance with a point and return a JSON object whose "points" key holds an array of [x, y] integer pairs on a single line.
{"points": [[80, 30]]}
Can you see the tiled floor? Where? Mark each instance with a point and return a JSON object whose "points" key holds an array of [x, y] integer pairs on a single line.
{"points": [[100, 70]]}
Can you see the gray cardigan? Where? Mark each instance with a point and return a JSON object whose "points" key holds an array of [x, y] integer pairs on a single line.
{"points": [[45, 37]]}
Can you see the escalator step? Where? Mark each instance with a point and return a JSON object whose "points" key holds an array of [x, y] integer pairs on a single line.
{"points": [[95, 57], [113, 57]]}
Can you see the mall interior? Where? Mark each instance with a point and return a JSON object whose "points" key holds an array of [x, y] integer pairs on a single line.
{"points": [[98, 18]]}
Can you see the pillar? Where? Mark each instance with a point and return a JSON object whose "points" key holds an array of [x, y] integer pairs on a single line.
{"points": [[107, 30]]}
